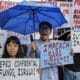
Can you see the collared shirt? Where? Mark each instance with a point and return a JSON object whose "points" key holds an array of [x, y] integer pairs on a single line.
{"points": [[49, 73]]}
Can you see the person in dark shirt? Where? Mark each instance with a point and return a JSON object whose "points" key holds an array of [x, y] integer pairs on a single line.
{"points": [[70, 69]]}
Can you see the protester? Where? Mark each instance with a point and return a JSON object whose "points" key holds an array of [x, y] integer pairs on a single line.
{"points": [[49, 73], [12, 48], [65, 37], [71, 69]]}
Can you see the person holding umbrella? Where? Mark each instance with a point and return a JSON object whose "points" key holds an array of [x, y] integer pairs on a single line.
{"points": [[34, 51]]}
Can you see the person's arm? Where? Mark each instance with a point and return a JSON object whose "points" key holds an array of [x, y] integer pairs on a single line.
{"points": [[34, 50], [28, 51], [31, 50]]}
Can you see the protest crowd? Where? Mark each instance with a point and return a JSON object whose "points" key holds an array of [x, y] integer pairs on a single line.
{"points": [[45, 58]]}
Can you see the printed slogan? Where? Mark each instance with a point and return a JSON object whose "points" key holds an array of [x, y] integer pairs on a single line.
{"points": [[19, 69]]}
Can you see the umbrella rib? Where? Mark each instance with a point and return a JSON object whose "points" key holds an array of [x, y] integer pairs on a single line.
{"points": [[26, 23], [28, 20], [48, 16], [17, 16], [23, 22], [37, 18], [20, 14], [46, 10], [37, 9]]}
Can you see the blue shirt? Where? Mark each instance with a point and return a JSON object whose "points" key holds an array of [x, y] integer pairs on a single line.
{"points": [[49, 73]]}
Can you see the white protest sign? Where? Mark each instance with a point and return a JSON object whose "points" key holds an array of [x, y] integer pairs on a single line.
{"points": [[75, 32], [19, 69], [3, 37], [56, 53], [75, 37]]}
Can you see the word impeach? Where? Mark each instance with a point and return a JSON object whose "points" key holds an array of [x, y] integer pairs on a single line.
{"points": [[56, 53], [19, 69]]}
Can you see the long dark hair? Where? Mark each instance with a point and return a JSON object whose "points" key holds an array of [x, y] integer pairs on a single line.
{"points": [[13, 39]]}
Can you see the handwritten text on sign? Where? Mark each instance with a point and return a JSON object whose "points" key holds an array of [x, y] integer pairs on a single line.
{"points": [[56, 53], [75, 36], [19, 69]]}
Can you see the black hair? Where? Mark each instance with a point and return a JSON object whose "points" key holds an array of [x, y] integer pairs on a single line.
{"points": [[13, 39], [45, 23]]}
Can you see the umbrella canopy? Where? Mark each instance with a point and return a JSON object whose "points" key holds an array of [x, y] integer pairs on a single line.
{"points": [[24, 18]]}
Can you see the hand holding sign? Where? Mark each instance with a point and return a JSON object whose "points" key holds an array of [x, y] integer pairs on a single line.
{"points": [[56, 53], [39, 70], [34, 46], [71, 52], [33, 49]]}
